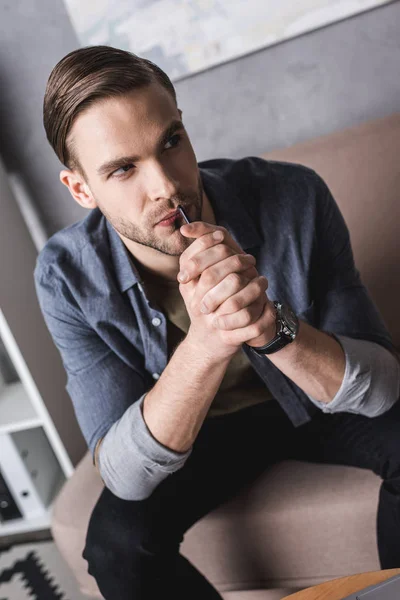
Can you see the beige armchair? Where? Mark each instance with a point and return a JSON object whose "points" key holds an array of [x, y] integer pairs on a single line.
{"points": [[299, 524]]}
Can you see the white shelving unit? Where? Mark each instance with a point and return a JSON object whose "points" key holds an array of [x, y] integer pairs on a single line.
{"points": [[33, 460], [40, 441], [18, 526], [16, 410]]}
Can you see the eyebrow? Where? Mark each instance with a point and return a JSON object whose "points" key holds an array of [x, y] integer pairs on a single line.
{"points": [[116, 163]]}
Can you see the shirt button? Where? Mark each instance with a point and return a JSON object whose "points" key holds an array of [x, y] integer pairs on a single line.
{"points": [[156, 322], [156, 375]]}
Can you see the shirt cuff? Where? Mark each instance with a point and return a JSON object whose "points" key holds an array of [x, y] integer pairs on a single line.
{"points": [[150, 448], [132, 463], [371, 382]]}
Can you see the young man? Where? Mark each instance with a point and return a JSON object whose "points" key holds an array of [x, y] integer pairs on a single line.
{"points": [[199, 354]]}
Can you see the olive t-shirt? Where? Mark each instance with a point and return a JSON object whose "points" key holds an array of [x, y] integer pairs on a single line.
{"points": [[241, 386]]}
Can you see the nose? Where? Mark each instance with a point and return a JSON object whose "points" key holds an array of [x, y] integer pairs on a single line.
{"points": [[160, 183]]}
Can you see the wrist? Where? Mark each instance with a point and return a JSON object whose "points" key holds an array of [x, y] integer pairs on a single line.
{"points": [[203, 352], [286, 330], [270, 329]]}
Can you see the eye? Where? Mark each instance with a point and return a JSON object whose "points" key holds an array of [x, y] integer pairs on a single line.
{"points": [[122, 170], [173, 141]]}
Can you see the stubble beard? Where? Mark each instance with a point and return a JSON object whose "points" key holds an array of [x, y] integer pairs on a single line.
{"points": [[175, 243]]}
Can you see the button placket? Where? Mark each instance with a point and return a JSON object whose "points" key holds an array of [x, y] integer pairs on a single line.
{"points": [[158, 322]]}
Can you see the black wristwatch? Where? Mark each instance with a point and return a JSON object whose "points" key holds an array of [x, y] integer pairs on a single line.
{"points": [[287, 327]]}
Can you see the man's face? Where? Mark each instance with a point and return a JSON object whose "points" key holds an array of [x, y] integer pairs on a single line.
{"points": [[139, 165]]}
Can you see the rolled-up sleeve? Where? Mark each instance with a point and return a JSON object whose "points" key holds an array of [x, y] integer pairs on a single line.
{"points": [[132, 462], [371, 382]]}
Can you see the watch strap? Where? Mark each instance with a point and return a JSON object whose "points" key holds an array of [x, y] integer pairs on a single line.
{"points": [[281, 339], [279, 342]]}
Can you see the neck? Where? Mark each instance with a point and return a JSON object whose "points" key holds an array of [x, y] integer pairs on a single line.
{"points": [[157, 265]]}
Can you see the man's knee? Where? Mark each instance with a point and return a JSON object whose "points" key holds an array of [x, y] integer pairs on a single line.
{"points": [[110, 558], [124, 548]]}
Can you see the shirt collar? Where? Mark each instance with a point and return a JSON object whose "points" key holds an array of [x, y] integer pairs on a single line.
{"points": [[229, 212], [125, 271]]}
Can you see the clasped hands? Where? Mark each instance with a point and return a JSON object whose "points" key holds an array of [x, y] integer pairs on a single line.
{"points": [[224, 294]]}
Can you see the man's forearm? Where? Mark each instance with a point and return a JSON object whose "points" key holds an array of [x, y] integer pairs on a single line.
{"points": [[341, 374], [154, 436], [315, 362], [177, 405]]}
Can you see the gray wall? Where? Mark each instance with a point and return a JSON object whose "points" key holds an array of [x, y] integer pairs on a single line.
{"points": [[22, 313], [320, 82]]}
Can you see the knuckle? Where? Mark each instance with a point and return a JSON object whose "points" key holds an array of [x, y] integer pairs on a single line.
{"points": [[234, 279], [208, 278], [252, 273], [237, 261], [247, 318], [260, 285], [204, 242], [224, 251], [259, 307], [221, 322], [254, 330], [235, 305], [194, 262], [259, 327]]}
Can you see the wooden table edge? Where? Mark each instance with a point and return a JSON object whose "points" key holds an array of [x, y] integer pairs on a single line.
{"points": [[337, 589]]}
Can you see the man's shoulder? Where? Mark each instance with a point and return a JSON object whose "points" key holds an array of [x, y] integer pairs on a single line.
{"points": [[254, 179], [255, 167], [258, 174], [67, 246]]}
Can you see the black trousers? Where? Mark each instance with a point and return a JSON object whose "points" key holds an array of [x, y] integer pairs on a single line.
{"points": [[132, 547]]}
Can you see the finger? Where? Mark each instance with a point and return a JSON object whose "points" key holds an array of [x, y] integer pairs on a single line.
{"points": [[228, 287], [188, 290], [199, 228], [254, 290], [251, 273], [207, 241], [241, 318], [208, 250], [241, 335], [216, 263]]}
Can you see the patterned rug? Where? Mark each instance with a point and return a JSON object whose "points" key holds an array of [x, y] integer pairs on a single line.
{"points": [[36, 572]]}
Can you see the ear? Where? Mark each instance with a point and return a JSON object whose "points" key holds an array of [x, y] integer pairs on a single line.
{"points": [[78, 188]]}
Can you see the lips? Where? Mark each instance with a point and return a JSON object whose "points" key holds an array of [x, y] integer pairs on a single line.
{"points": [[170, 215]]}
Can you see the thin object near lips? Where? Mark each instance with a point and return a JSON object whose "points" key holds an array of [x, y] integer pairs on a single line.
{"points": [[184, 215]]}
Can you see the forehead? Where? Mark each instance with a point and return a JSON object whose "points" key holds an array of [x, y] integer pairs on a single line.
{"points": [[128, 124]]}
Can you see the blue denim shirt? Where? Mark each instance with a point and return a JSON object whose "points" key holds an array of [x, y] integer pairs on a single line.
{"points": [[113, 341]]}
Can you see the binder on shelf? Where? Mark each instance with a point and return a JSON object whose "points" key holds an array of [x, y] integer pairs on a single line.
{"points": [[35, 451], [18, 479], [8, 508]]}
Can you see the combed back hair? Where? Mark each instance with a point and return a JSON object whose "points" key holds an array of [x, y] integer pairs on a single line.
{"points": [[85, 76]]}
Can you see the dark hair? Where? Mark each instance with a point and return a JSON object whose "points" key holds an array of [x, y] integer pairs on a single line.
{"points": [[84, 76]]}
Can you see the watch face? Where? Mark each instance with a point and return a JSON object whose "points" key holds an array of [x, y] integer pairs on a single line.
{"points": [[290, 318]]}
